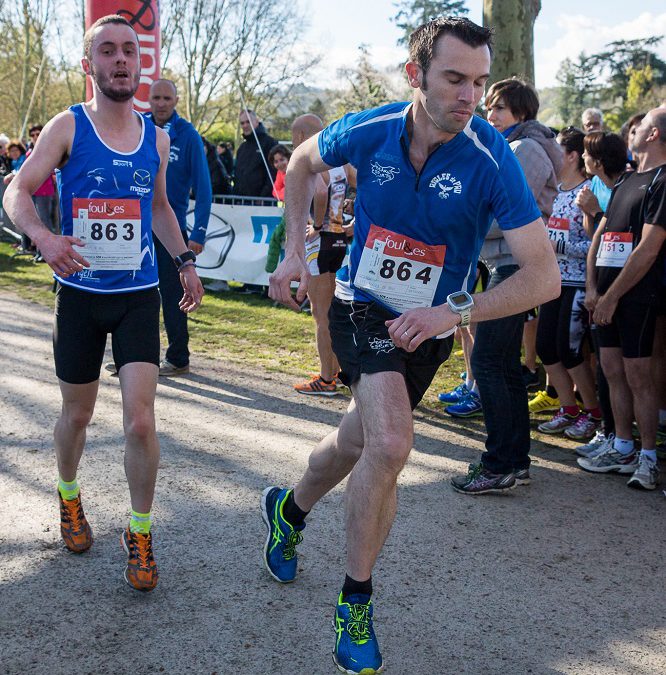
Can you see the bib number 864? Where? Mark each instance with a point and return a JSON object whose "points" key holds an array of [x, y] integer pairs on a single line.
{"points": [[403, 271], [110, 232]]}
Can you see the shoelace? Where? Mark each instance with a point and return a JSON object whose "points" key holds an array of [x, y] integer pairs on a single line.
{"points": [[293, 540], [358, 624], [74, 514], [474, 471], [141, 548]]}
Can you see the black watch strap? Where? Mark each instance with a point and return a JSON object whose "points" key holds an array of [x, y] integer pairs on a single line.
{"points": [[597, 217], [185, 257]]}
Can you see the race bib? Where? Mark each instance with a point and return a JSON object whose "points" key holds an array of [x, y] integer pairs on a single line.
{"points": [[614, 249], [399, 271], [558, 231], [111, 230]]}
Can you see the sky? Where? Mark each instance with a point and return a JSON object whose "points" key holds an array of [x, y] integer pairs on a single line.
{"points": [[563, 28]]}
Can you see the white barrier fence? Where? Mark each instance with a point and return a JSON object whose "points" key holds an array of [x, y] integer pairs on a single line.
{"points": [[237, 242]]}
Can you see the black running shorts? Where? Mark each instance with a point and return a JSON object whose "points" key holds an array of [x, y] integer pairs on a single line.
{"points": [[632, 329], [84, 319], [362, 344], [326, 253]]}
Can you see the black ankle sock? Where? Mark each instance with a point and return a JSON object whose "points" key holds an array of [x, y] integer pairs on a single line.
{"points": [[292, 513], [551, 391], [353, 587]]}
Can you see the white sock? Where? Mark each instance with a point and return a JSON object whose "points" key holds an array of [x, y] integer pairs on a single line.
{"points": [[650, 454], [469, 384], [475, 388], [622, 446]]}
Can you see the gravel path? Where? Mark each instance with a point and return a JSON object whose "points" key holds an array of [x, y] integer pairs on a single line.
{"points": [[563, 576]]}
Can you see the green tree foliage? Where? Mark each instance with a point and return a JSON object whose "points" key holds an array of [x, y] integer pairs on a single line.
{"points": [[412, 13], [578, 89]]}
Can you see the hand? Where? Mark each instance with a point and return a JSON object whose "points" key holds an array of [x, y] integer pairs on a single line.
{"points": [[586, 200], [604, 310], [349, 228], [311, 234], [194, 291], [8, 178], [415, 326], [292, 268], [591, 299], [60, 255], [195, 247]]}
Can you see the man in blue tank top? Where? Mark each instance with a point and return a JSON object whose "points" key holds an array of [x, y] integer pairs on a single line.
{"points": [[430, 178], [111, 165]]}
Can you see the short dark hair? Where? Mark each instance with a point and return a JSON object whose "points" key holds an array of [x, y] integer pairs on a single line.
{"points": [[103, 21], [631, 122], [423, 40], [16, 143], [519, 95], [35, 127], [572, 140], [278, 149], [607, 148]]}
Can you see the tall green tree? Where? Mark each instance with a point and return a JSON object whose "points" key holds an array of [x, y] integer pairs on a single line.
{"points": [[578, 89], [412, 13]]}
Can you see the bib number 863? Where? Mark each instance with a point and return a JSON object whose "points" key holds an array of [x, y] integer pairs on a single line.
{"points": [[403, 271], [110, 232]]}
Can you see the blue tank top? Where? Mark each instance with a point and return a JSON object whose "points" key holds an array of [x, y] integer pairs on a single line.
{"points": [[106, 198]]}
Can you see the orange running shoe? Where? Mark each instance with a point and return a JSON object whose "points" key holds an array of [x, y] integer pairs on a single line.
{"points": [[141, 570], [317, 386], [74, 528]]}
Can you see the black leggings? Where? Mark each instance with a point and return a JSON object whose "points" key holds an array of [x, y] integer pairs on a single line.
{"points": [[563, 326]]}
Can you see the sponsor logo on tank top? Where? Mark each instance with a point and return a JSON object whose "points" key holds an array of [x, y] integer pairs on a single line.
{"points": [[122, 162], [141, 178]]}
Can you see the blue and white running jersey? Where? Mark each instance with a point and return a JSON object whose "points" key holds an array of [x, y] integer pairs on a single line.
{"points": [[106, 199], [417, 236]]}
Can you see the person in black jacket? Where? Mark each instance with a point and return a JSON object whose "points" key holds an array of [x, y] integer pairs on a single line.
{"points": [[252, 179], [219, 178]]}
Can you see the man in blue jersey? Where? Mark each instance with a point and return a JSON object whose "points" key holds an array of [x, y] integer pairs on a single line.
{"points": [[111, 167], [430, 178], [187, 170]]}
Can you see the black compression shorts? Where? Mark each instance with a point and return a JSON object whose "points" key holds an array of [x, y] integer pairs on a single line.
{"points": [[326, 253], [632, 329], [84, 319], [362, 344]]}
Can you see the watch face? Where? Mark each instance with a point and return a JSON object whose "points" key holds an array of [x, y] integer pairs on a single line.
{"points": [[459, 298]]}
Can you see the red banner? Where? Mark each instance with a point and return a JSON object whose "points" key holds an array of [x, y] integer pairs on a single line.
{"points": [[145, 19]]}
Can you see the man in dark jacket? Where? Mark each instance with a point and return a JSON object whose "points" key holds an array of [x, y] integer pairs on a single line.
{"points": [[252, 179]]}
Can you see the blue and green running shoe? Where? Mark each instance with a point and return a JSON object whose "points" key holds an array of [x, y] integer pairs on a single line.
{"points": [[356, 649], [280, 549], [455, 396]]}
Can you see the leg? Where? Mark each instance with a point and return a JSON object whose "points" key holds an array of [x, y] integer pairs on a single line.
{"points": [[560, 379], [332, 460], [321, 291], [386, 416], [78, 404], [175, 321], [529, 342], [620, 393], [138, 382], [641, 383]]}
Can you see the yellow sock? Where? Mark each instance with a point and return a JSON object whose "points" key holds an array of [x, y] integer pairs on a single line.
{"points": [[140, 522], [68, 490]]}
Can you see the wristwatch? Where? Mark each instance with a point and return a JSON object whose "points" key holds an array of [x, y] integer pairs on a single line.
{"points": [[185, 257], [461, 303]]}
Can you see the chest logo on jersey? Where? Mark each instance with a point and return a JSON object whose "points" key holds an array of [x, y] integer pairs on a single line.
{"points": [[383, 174], [122, 162], [447, 184], [174, 153], [142, 179]]}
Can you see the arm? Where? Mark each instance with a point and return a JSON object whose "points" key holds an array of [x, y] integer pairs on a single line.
{"points": [[51, 153], [165, 226], [203, 193], [301, 180], [320, 202], [591, 295], [536, 282], [636, 267]]}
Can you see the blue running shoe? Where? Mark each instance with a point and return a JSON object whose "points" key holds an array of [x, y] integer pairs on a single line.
{"points": [[280, 548], [470, 406], [455, 396], [356, 649]]}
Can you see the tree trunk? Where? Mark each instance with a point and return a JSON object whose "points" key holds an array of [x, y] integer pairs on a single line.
{"points": [[513, 22]]}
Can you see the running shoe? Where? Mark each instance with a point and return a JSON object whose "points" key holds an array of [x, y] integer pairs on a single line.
{"points": [[610, 460], [583, 428], [74, 528], [454, 396], [168, 369], [646, 475], [596, 445], [522, 476], [459, 353], [470, 406], [282, 539], [141, 571], [317, 386], [530, 378], [560, 421], [356, 647], [480, 481], [543, 403]]}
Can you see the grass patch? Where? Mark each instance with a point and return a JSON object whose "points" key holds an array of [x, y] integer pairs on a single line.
{"points": [[245, 329]]}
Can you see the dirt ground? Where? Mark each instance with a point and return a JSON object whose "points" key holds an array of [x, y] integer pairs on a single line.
{"points": [[564, 576]]}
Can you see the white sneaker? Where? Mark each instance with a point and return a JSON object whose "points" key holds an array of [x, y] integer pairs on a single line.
{"points": [[646, 475], [590, 449]]}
